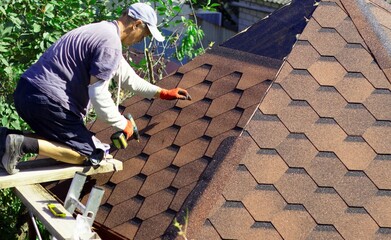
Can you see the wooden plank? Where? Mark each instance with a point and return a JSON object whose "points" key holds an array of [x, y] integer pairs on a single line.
{"points": [[36, 199], [47, 170]]}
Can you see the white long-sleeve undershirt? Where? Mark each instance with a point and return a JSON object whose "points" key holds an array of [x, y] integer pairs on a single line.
{"points": [[101, 99]]}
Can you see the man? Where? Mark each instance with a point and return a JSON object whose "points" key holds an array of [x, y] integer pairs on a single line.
{"points": [[53, 94]]}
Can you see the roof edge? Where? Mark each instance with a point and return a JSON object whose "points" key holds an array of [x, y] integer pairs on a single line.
{"points": [[370, 30], [198, 204]]}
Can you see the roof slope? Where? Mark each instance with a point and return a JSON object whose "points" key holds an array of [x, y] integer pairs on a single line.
{"points": [[317, 160], [275, 35], [184, 144], [179, 139]]}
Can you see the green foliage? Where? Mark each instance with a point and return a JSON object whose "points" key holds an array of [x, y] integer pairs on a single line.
{"points": [[10, 208], [9, 117], [182, 228], [192, 35], [29, 27]]}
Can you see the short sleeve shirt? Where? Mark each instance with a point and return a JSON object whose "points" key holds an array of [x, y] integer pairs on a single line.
{"points": [[63, 72]]}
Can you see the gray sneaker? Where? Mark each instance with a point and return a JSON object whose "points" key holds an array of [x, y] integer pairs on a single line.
{"points": [[3, 135], [12, 153]]}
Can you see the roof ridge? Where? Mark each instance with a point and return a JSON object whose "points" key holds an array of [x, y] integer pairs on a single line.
{"points": [[370, 30], [382, 4]]}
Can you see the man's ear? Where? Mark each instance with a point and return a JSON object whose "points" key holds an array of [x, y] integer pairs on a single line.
{"points": [[138, 23]]}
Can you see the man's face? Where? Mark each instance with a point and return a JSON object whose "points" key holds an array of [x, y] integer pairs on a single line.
{"points": [[135, 33]]}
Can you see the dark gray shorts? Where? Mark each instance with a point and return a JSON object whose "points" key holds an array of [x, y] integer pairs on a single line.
{"points": [[51, 121]]}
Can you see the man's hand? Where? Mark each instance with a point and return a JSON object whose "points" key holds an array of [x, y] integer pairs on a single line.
{"points": [[128, 130], [176, 93]]}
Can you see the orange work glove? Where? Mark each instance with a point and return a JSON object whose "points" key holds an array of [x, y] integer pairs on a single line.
{"points": [[176, 93], [128, 130]]}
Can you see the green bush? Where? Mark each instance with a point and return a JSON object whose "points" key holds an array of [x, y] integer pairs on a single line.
{"points": [[29, 27]]}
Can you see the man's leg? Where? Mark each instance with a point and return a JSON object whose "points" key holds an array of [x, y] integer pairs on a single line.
{"points": [[60, 152], [17, 145], [62, 135]]}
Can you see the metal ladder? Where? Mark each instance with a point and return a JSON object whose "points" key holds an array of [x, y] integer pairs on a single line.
{"points": [[72, 203]]}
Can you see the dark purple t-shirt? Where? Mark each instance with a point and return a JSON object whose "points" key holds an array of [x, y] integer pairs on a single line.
{"points": [[63, 72]]}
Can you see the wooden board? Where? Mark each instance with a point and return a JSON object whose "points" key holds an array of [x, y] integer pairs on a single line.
{"points": [[47, 170], [36, 199]]}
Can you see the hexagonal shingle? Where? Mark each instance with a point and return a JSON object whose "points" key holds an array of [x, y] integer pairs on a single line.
{"points": [[311, 27], [265, 165], [155, 204], [298, 80], [329, 14], [327, 71], [191, 131], [297, 151], [223, 123], [160, 140], [376, 76], [379, 208], [223, 85], [275, 101], [355, 188], [123, 212], [192, 113], [223, 104], [232, 229], [325, 134], [327, 42], [379, 104], [354, 57], [263, 203], [240, 184], [349, 32], [356, 223], [191, 152], [158, 161], [125, 190], [355, 88], [196, 76], [355, 119], [295, 186], [157, 182], [189, 173], [298, 116], [327, 102], [159, 222], [378, 137], [285, 70], [355, 153], [326, 169], [325, 206], [162, 121], [379, 171], [270, 133], [303, 55], [294, 223]]}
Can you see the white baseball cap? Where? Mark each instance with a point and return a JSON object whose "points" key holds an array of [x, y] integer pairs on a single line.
{"points": [[145, 13]]}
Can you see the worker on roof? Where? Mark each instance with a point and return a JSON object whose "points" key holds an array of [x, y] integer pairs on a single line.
{"points": [[53, 94]]}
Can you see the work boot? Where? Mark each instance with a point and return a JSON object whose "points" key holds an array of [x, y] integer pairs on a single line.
{"points": [[12, 153]]}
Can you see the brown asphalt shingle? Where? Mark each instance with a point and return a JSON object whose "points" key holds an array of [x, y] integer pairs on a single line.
{"points": [[316, 164], [311, 161], [179, 140]]}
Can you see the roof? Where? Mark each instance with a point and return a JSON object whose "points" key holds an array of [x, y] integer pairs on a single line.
{"points": [[316, 163], [306, 157], [276, 33], [179, 140]]}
